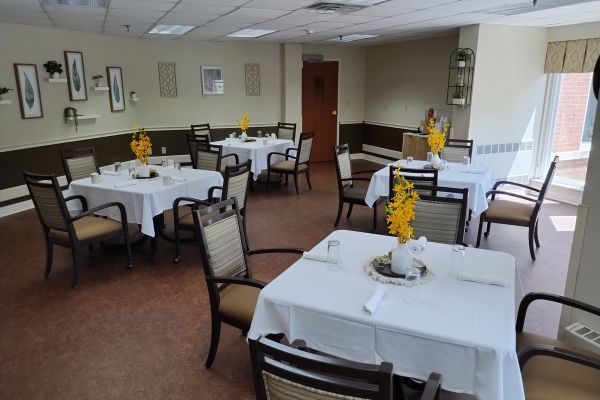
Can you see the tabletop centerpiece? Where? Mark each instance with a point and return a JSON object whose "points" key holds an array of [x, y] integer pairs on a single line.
{"points": [[436, 140], [243, 124], [400, 213], [141, 146]]}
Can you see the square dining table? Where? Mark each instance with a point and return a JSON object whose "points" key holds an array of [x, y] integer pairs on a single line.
{"points": [[147, 198], [478, 178], [463, 330], [257, 151]]}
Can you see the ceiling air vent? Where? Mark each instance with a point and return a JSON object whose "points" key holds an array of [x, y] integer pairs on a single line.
{"points": [[75, 3], [523, 8], [342, 6]]}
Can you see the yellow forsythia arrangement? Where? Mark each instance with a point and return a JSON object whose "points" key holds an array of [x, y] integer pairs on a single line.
{"points": [[141, 145], [244, 122], [435, 139], [401, 208]]}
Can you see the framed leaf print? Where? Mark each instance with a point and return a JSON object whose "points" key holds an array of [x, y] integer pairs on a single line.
{"points": [[115, 88], [75, 75], [28, 89], [212, 80]]}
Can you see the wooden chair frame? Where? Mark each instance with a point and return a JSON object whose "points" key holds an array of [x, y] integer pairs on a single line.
{"points": [[66, 154], [426, 175], [461, 144], [195, 204], [337, 150], [287, 125], [196, 143], [532, 224], [303, 136], [226, 209], [202, 130], [50, 182]]}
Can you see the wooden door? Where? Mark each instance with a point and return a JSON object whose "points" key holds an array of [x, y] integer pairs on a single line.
{"points": [[319, 106]]}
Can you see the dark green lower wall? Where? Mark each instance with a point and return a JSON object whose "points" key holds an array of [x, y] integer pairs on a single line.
{"points": [[353, 134], [46, 159], [386, 137]]}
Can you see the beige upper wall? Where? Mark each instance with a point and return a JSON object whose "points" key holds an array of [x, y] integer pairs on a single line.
{"points": [[574, 32], [404, 79]]}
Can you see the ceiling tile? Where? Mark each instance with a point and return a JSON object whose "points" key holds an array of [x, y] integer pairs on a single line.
{"points": [[202, 9], [142, 5], [187, 19], [257, 13], [227, 3], [289, 5]]}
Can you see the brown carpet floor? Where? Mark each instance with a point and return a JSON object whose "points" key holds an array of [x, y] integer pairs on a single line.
{"points": [[143, 334]]}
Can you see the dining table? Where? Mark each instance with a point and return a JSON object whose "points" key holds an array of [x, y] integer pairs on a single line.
{"points": [[257, 150], [478, 178], [144, 199], [462, 328]]}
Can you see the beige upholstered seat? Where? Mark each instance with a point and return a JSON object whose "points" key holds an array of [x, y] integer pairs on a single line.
{"points": [[89, 228], [287, 166], [510, 210], [238, 302]]}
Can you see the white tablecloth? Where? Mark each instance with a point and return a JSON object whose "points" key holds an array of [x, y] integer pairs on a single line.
{"points": [[463, 330], [255, 151], [477, 178], [146, 199]]}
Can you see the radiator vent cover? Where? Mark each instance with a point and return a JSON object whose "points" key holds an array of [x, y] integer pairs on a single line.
{"points": [[584, 336]]}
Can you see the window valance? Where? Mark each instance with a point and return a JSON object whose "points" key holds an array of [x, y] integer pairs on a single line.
{"points": [[572, 56]]}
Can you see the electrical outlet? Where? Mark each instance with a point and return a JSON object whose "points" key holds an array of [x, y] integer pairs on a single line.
{"points": [[163, 150]]}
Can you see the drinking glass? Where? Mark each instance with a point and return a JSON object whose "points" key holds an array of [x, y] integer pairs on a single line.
{"points": [[177, 169], [429, 156], [333, 251], [259, 134], [466, 160], [409, 159], [163, 163], [458, 257], [117, 166], [413, 276]]}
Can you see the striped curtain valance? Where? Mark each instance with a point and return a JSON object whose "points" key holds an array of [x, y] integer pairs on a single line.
{"points": [[572, 56]]}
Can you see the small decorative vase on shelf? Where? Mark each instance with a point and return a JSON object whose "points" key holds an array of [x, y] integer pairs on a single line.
{"points": [[55, 75], [436, 161], [402, 259]]}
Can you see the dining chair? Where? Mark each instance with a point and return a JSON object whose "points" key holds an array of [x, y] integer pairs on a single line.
{"points": [[552, 368], [285, 372], [456, 150], [62, 229], [441, 217], [425, 178], [286, 131], [79, 163], [207, 156], [348, 191], [202, 130], [520, 213], [293, 165], [236, 182], [231, 290]]}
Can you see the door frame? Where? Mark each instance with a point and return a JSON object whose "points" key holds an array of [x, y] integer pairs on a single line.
{"points": [[337, 117]]}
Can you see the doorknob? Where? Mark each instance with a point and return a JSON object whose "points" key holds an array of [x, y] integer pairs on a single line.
{"points": [[334, 112]]}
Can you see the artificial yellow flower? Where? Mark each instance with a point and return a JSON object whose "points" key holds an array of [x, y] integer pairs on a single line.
{"points": [[141, 145], [244, 122], [401, 208]]}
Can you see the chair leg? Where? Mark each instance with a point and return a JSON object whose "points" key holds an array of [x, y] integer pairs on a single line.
{"points": [[339, 214], [535, 235], [214, 342], [487, 231], [531, 239], [177, 258], [349, 210], [481, 218], [268, 179], [296, 183], [375, 216], [286, 179], [127, 246], [75, 254], [308, 179], [49, 257], [91, 250]]}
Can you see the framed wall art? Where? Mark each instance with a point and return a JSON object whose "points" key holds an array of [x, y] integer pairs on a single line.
{"points": [[75, 75], [28, 88], [212, 80], [115, 88]]}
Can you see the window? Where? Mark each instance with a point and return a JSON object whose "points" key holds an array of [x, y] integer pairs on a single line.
{"points": [[571, 108]]}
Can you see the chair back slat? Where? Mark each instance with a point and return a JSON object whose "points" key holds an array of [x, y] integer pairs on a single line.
{"points": [[426, 179], [343, 164], [305, 147], [207, 159], [79, 163], [441, 218], [455, 150], [286, 131], [48, 201], [236, 183], [278, 388], [203, 154], [224, 247], [202, 131]]}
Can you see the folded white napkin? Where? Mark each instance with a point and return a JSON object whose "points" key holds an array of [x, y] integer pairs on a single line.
{"points": [[125, 183], [480, 278], [317, 257], [178, 178], [109, 172], [375, 300], [419, 245]]}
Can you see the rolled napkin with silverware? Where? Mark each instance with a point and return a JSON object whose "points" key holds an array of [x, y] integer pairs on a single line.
{"points": [[480, 278], [375, 300], [419, 245], [109, 172], [309, 255], [125, 183]]}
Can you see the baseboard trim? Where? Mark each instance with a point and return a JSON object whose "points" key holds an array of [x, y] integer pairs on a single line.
{"points": [[15, 208], [391, 154]]}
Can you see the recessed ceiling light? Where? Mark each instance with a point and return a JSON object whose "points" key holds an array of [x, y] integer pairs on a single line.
{"points": [[351, 38], [75, 3], [251, 33], [171, 29]]}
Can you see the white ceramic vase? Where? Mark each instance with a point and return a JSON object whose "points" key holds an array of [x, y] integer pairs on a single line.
{"points": [[436, 161], [402, 259], [144, 171]]}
